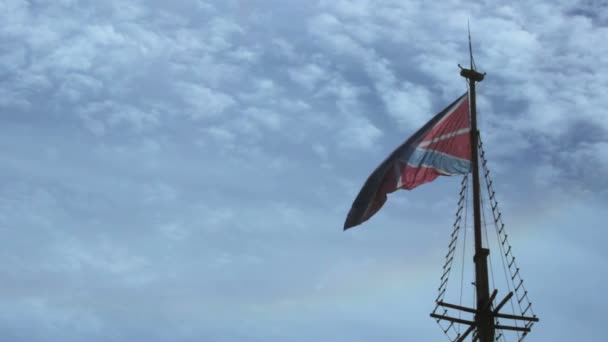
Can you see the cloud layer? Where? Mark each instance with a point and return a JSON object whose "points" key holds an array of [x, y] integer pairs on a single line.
{"points": [[181, 171]]}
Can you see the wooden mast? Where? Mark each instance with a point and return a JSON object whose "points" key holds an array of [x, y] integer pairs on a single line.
{"points": [[484, 320], [483, 328]]}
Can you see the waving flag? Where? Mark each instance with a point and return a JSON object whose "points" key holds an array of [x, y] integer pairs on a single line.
{"points": [[442, 147]]}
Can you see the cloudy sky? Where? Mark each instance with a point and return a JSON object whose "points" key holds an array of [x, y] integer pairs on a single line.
{"points": [[180, 171]]}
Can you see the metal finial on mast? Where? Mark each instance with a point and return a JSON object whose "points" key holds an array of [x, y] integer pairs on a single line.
{"points": [[472, 60], [470, 46]]}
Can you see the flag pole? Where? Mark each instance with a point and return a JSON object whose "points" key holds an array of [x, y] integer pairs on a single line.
{"points": [[484, 320]]}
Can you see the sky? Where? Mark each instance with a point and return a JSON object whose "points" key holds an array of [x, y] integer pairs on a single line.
{"points": [[181, 171]]}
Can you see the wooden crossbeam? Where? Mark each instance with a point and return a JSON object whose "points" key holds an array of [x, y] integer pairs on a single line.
{"points": [[507, 327], [503, 302], [452, 319], [457, 307], [491, 299], [495, 313], [522, 318]]}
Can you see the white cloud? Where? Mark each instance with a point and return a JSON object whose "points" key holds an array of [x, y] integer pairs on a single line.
{"points": [[265, 118], [307, 76], [320, 151], [359, 133], [222, 135], [204, 102], [409, 104], [99, 116]]}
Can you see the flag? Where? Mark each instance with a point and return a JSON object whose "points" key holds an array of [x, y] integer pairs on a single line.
{"points": [[442, 147]]}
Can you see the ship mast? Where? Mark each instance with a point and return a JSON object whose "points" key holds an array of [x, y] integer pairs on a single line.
{"points": [[484, 320], [484, 326]]}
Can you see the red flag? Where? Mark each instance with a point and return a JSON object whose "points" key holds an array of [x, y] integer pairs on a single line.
{"points": [[442, 147]]}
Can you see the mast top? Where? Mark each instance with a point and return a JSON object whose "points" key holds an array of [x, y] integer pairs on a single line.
{"points": [[471, 73]]}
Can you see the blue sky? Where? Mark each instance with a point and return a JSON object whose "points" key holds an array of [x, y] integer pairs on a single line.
{"points": [[180, 171]]}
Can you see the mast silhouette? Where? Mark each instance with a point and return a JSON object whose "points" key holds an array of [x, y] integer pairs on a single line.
{"points": [[484, 327], [484, 320]]}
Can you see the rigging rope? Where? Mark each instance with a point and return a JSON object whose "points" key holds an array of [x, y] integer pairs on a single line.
{"points": [[511, 272], [464, 247], [514, 277], [449, 259], [485, 230]]}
